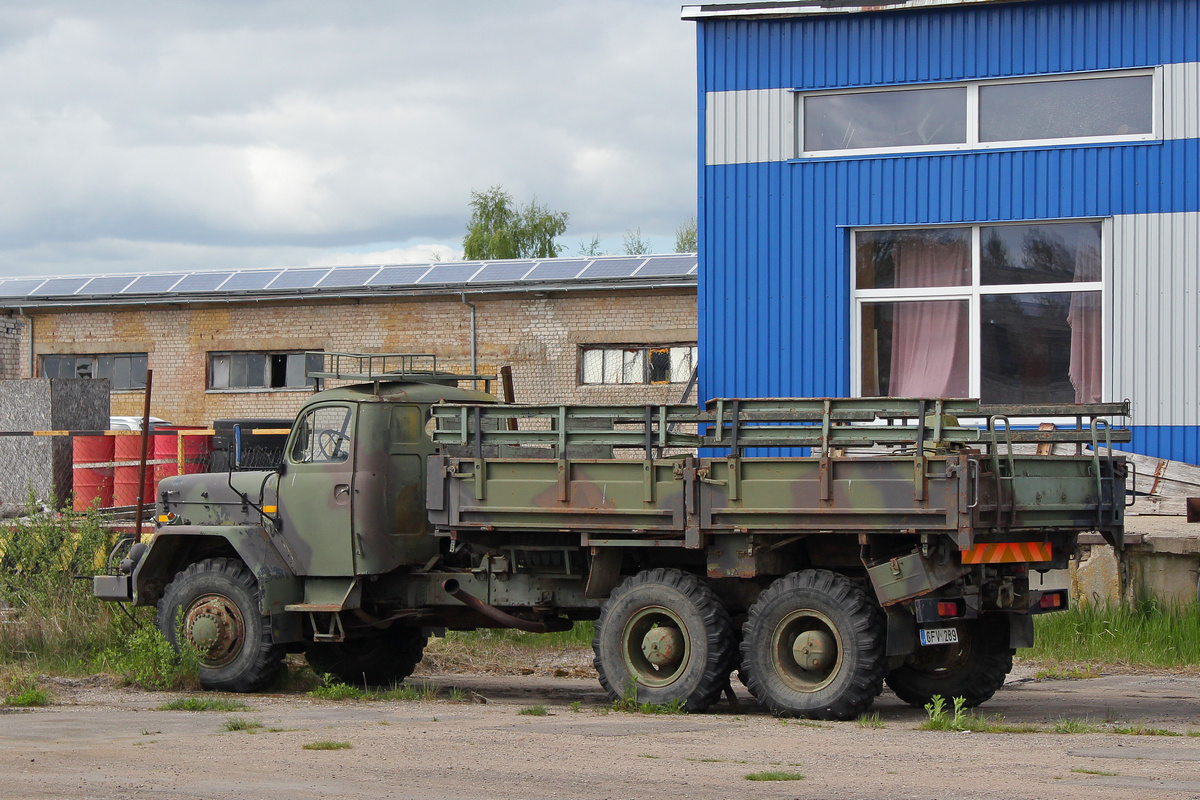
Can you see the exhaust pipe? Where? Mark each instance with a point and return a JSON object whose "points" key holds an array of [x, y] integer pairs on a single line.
{"points": [[455, 590]]}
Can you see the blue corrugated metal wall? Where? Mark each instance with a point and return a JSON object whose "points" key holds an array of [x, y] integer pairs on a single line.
{"points": [[774, 287]]}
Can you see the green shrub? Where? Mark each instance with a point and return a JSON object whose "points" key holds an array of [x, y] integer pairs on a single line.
{"points": [[148, 660]]}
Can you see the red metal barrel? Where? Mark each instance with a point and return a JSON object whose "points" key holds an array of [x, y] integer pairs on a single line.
{"points": [[125, 478], [196, 452], [92, 471]]}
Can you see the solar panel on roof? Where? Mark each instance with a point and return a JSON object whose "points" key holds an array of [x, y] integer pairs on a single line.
{"points": [[201, 282], [249, 281], [298, 279], [397, 276], [57, 286], [502, 271], [450, 273], [556, 270], [613, 268], [152, 283], [354, 276], [667, 265], [19, 288], [107, 285]]}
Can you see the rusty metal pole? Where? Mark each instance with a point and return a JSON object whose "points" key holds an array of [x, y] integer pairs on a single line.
{"points": [[137, 519]]}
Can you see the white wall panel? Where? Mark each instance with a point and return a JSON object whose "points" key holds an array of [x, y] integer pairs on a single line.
{"points": [[1181, 101], [1155, 308], [750, 126]]}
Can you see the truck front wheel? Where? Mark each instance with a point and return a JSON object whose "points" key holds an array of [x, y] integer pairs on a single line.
{"points": [[382, 659], [213, 605], [664, 637], [813, 646], [973, 668]]}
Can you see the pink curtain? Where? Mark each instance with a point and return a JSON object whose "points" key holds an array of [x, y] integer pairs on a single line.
{"points": [[929, 337], [1086, 364]]}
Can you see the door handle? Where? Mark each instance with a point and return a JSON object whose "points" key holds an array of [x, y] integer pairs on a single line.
{"points": [[341, 490]]}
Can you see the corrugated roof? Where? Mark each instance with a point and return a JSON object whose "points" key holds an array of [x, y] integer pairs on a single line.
{"points": [[784, 8], [230, 285]]}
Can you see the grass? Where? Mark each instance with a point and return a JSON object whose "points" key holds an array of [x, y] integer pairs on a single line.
{"points": [[1141, 730], [1058, 672], [327, 744], [333, 689], [234, 724], [871, 720], [508, 652], [1074, 726], [203, 704], [1148, 633], [534, 711], [775, 775], [961, 719], [628, 702], [1083, 771], [22, 691]]}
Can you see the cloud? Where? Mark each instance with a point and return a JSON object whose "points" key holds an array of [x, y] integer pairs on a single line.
{"points": [[279, 130]]}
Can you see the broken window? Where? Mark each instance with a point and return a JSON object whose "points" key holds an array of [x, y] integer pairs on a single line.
{"points": [[122, 370], [263, 370], [636, 364]]}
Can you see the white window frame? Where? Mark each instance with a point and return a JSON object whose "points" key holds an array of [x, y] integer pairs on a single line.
{"points": [[973, 294], [210, 370], [972, 138], [644, 349]]}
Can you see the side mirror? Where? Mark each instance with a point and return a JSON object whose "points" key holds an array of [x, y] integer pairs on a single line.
{"points": [[237, 447]]}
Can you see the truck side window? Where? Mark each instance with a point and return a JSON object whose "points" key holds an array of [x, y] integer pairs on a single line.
{"points": [[323, 436]]}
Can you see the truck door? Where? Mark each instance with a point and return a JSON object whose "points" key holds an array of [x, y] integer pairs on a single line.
{"points": [[316, 488]]}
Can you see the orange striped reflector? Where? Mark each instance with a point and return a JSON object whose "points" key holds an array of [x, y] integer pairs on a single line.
{"points": [[1007, 553]]}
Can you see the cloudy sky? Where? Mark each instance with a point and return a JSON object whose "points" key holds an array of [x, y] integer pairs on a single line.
{"points": [[158, 135]]}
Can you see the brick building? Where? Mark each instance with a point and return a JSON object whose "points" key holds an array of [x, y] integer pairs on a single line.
{"points": [[610, 329]]}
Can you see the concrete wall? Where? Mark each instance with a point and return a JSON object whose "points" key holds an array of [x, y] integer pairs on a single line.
{"points": [[43, 464], [538, 334]]}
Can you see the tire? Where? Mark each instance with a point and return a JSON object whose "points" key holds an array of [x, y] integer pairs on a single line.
{"points": [[974, 668], [813, 646], [216, 604], [664, 635], [383, 659]]}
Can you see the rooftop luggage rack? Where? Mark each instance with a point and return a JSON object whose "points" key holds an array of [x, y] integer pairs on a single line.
{"points": [[380, 368]]}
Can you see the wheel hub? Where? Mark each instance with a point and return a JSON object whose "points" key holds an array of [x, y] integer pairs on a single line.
{"points": [[662, 646], [814, 650], [213, 625]]}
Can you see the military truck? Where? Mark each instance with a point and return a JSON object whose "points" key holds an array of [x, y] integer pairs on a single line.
{"points": [[818, 547]]}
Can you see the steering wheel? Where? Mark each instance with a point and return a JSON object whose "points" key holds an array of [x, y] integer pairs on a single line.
{"points": [[329, 444]]}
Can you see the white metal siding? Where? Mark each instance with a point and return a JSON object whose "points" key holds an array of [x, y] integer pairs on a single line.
{"points": [[1181, 101], [1155, 304], [750, 126]]}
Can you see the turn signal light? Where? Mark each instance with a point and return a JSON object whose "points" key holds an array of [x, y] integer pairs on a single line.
{"points": [[947, 608], [1051, 600], [166, 519]]}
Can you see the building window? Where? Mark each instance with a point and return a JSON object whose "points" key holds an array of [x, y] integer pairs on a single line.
{"points": [[1006, 313], [1088, 107], [123, 370], [637, 364], [263, 370]]}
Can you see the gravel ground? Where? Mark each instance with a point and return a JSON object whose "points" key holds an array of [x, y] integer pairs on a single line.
{"points": [[101, 741]]}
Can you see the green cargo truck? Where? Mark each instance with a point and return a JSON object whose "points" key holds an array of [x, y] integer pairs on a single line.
{"points": [[898, 550]]}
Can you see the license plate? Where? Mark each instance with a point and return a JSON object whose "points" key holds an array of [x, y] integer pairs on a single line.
{"points": [[939, 636]]}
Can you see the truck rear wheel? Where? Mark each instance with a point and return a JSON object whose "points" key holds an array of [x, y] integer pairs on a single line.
{"points": [[973, 668], [665, 637], [813, 646], [386, 658], [213, 604]]}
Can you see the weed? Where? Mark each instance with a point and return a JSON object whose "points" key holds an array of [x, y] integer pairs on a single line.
{"points": [[1083, 771], [326, 744], [576, 706], [1141, 730], [410, 692], [148, 660], [203, 704], [333, 689], [707, 760], [1193, 733], [803, 723], [233, 724], [628, 702], [1074, 726], [648, 755], [1057, 672], [775, 775], [457, 695], [871, 720], [963, 720], [534, 711]]}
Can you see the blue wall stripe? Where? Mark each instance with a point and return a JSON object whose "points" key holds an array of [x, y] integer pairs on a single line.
{"points": [[975, 42], [1173, 442]]}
